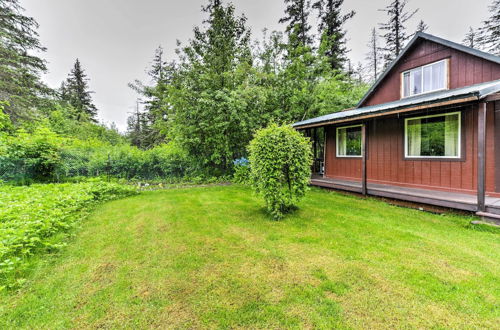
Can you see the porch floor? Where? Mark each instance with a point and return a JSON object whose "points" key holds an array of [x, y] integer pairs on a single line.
{"points": [[454, 200]]}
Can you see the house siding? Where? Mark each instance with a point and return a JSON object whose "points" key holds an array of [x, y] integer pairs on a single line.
{"points": [[464, 70], [386, 163]]}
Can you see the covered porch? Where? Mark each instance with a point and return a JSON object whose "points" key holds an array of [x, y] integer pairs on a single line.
{"points": [[379, 163], [447, 199]]}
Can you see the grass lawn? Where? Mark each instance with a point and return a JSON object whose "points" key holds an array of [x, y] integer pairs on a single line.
{"points": [[210, 257]]}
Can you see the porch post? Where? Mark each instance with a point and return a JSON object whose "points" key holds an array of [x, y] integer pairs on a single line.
{"points": [[363, 159], [481, 156], [324, 149]]}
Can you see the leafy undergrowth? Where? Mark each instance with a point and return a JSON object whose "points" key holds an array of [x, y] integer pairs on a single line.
{"points": [[35, 219], [210, 257]]}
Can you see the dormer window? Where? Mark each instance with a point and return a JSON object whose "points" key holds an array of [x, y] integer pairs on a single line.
{"points": [[424, 79]]}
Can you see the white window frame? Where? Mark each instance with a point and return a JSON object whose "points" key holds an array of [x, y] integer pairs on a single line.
{"points": [[337, 142], [459, 147], [446, 79]]}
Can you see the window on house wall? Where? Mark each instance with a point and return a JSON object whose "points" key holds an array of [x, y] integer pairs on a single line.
{"points": [[349, 141], [433, 136], [425, 79]]}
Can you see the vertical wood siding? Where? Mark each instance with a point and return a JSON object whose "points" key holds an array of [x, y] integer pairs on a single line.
{"points": [[464, 70], [386, 163]]}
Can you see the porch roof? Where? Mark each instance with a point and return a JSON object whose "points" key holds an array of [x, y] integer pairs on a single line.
{"points": [[451, 96]]}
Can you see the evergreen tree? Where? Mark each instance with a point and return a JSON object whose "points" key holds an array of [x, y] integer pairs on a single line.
{"points": [[395, 34], [489, 33], [422, 27], [136, 126], [297, 16], [359, 73], [374, 56], [349, 70], [154, 95], [470, 38], [76, 92], [20, 67], [331, 23], [206, 113]]}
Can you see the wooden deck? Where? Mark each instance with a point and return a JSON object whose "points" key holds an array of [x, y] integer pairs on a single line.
{"points": [[453, 200]]}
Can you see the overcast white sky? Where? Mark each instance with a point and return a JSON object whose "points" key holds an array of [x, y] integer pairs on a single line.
{"points": [[115, 39]]}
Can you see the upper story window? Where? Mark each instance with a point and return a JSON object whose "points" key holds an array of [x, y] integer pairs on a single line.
{"points": [[424, 79]]}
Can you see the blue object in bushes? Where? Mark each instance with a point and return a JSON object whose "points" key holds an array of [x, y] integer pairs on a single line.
{"points": [[241, 162]]}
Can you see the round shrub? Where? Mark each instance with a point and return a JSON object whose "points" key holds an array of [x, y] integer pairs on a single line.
{"points": [[280, 162]]}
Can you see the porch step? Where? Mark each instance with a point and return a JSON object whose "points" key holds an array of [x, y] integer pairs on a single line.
{"points": [[490, 217]]}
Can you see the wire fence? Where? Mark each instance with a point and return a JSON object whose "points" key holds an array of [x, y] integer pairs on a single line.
{"points": [[66, 166], [25, 170]]}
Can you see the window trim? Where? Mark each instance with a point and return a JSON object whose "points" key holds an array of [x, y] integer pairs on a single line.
{"points": [[459, 133], [337, 142], [446, 79]]}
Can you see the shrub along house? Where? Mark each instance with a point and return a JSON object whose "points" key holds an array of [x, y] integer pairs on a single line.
{"points": [[427, 131]]}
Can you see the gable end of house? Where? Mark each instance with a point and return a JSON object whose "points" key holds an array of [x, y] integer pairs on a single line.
{"points": [[465, 67]]}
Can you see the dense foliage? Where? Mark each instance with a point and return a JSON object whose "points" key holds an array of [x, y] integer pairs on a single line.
{"points": [[35, 218], [280, 159], [43, 155], [222, 87], [242, 171]]}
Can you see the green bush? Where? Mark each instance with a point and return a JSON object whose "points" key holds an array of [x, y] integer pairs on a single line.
{"points": [[242, 171], [31, 156], [280, 161], [32, 217]]}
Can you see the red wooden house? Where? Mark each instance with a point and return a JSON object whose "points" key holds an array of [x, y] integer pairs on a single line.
{"points": [[427, 131]]}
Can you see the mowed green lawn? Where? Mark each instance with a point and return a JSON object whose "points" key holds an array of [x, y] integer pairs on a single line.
{"points": [[210, 257]]}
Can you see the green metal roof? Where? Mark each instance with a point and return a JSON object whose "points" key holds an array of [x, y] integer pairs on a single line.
{"points": [[479, 91]]}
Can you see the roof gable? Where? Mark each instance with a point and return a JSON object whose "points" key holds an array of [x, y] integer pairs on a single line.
{"points": [[424, 36]]}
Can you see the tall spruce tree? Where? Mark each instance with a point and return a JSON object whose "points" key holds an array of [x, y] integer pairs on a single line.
{"points": [[154, 94], [140, 128], [20, 67], [489, 33], [75, 91], [470, 39], [374, 57], [297, 18], [333, 35], [395, 34]]}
